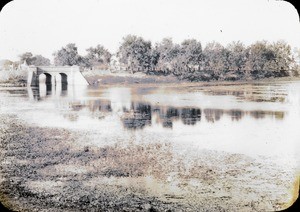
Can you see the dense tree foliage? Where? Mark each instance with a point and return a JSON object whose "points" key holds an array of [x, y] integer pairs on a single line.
{"points": [[296, 63], [98, 57], [214, 62], [135, 53], [165, 52], [68, 55], [188, 60], [26, 57], [37, 60], [269, 60]]}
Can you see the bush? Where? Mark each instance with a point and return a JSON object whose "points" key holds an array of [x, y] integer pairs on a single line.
{"points": [[13, 76]]}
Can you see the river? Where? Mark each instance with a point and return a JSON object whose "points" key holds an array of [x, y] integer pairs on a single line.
{"points": [[185, 143]]}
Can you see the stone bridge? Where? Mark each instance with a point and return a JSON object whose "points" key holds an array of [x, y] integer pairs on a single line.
{"points": [[56, 74]]}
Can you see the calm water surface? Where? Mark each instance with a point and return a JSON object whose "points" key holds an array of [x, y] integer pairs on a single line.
{"points": [[253, 119], [197, 125]]}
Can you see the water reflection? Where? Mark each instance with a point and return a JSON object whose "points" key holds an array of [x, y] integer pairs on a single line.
{"points": [[61, 89], [167, 117], [45, 90], [250, 92], [100, 105], [212, 115], [134, 113], [142, 114], [138, 116]]}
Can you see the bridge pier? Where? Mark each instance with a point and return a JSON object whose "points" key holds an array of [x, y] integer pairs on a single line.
{"points": [[33, 78], [53, 81]]}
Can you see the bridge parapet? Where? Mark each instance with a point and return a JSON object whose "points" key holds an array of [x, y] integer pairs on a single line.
{"points": [[57, 69]]}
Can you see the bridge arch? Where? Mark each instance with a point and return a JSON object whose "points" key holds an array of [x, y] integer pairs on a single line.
{"points": [[45, 77], [62, 78]]}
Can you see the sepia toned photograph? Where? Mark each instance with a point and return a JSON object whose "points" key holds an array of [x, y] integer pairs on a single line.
{"points": [[149, 105]]}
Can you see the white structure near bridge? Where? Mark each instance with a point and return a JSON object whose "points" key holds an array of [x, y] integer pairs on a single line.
{"points": [[56, 74]]}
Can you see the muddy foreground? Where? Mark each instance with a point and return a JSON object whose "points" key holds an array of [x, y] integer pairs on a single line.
{"points": [[42, 169]]}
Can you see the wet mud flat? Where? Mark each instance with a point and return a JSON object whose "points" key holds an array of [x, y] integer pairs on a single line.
{"points": [[44, 169]]}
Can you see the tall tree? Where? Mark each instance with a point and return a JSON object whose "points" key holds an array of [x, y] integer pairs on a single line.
{"points": [[135, 54], [192, 51], [166, 51], [186, 58], [266, 60], [98, 56], [39, 60], [237, 58], [295, 66], [283, 58], [68, 55], [36, 60], [237, 55], [216, 59], [26, 57]]}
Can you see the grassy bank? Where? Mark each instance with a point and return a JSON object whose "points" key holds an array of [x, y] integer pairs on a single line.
{"points": [[98, 78], [42, 170], [46, 169]]}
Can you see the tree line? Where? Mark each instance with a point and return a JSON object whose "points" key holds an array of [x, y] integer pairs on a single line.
{"points": [[97, 57], [187, 60]]}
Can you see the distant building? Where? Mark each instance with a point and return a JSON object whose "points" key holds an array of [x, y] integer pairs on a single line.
{"points": [[23, 66]]}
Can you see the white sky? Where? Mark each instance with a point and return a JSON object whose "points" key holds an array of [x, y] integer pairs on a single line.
{"points": [[44, 26]]}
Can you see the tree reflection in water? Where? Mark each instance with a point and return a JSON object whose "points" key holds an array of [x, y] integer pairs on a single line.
{"points": [[138, 116], [142, 114]]}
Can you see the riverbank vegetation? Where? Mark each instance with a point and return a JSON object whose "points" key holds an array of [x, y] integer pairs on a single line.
{"points": [[16, 72], [15, 77], [188, 60]]}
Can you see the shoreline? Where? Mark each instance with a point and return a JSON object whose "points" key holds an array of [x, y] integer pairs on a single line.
{"points": [[26, 186], [45, 172], [154, 80], [139, 79]]}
